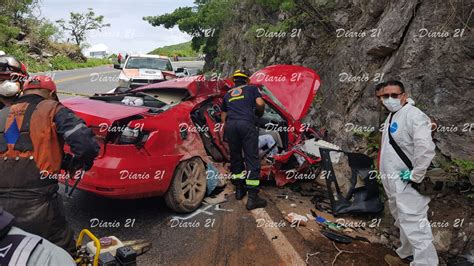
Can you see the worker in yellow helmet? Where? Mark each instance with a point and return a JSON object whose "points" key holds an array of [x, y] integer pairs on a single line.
{"points": [[240, 105]]}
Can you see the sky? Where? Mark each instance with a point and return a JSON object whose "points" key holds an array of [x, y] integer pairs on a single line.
{"points": [[128, 32]]}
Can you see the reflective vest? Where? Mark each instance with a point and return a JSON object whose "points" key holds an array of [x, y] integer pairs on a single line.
{"points": [[30, 149]]}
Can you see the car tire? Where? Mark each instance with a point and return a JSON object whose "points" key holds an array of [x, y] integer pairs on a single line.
{"points": [[188, 187]]}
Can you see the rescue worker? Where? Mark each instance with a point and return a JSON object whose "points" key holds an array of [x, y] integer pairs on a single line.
{"points": [[18, 247], [239, 108], [12, 76], [32, 135], [410, 131]]}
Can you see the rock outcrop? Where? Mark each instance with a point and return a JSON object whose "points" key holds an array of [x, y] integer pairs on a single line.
{"points": [[354, 45]]}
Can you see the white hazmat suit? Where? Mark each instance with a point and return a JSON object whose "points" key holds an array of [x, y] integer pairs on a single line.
{"points": [[411, 130]]}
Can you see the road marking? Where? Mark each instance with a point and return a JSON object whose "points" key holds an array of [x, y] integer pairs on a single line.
{"points": [[80, 77], [196, 212], [72, 93], [281, 245]]}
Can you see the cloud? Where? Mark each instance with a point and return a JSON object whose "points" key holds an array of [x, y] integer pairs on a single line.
{"points": [[128, 31]]}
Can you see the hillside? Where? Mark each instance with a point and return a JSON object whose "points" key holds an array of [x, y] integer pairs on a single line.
{"points": [[181, 49], [35, 40]]}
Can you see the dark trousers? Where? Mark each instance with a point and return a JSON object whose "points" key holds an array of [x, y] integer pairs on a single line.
{"points": [[35, 202], [242, 137]]}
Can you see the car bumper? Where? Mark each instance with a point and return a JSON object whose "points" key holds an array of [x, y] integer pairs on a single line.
{"points": [[125, 173]]}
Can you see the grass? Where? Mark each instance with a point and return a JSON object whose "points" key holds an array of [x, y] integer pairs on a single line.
{"points": [[62, 62], [58, 62], [465, 166]]}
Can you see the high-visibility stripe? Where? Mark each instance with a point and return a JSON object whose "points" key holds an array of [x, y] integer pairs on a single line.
{"points": [[237, 98], [253, 183], [238, 176]]}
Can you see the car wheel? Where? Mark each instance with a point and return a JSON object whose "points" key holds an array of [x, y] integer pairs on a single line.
{"points": [[188, 186]]}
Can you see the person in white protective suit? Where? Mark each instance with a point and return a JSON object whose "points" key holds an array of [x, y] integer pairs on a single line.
{"points": [[410, 128]]}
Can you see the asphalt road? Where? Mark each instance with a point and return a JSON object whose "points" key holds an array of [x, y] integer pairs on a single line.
{"points": [[224, 234], [87, 81]]}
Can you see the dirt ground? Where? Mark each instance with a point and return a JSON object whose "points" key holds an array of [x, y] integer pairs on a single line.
{"points": [[450, 216]]}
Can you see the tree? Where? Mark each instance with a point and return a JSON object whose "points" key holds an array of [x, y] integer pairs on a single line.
{"points": [[80, 23], [204, 22], [16, 9]]}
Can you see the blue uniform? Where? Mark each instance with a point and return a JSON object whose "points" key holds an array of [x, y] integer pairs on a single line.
{"points": [[239, 103], [241, 132]]}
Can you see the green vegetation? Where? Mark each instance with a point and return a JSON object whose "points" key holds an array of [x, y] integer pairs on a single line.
{"points": [[58, 62], [208, 18], [63, 62], [181, 49], [372, 139], [285, 5], [33, 40], [80, 23], [465, 167], [204, 22]]}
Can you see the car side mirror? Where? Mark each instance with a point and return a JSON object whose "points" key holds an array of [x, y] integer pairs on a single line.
{"points": [[180, 70], [118, 66]]}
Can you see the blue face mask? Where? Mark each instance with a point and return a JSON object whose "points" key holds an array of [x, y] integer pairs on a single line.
{"points": [[392, 104]]}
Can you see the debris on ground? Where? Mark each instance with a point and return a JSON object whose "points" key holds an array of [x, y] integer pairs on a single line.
{"points": [[340, 251], [308, 255], [296, 219], [336, 237]]}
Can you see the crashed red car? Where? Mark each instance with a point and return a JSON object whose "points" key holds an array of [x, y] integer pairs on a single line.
{"points": [[160, 139]]}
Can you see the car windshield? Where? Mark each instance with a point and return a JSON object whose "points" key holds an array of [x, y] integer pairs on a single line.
{"points": [[147, 62]]}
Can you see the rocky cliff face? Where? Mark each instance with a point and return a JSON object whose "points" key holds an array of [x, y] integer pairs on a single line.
{"points": [[354, 45]]}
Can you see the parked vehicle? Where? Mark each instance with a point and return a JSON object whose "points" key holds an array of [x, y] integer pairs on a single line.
{"points": [[160, 139], [140, 70], [182, 72]]}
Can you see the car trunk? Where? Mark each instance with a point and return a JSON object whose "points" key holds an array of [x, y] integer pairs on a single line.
{"points": [[106, 120]]}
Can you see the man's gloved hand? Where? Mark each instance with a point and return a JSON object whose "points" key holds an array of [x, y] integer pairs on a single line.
{"points": [[405, 176], [87, 166], [71, 163], [68, 162]]}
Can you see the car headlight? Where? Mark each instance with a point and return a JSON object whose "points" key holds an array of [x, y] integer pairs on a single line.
{"points": [[123, 80]]}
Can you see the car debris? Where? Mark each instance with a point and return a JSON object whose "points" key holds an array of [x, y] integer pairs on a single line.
{"points": [[218, 208], [336, 237], [363, 195], [212, 178], [296, 219]]}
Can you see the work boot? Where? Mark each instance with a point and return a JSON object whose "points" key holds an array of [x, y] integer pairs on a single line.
{"points": [[240, 190], [254, 201], [394, 261]]}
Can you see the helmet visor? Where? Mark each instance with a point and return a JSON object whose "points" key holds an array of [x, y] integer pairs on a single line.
{"points": [[9, 64]]}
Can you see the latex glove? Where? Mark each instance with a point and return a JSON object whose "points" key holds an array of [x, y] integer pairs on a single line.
{"points": [[405, 176]]}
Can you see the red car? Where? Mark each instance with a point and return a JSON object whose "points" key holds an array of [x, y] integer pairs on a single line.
{"points": [[160, 139]]}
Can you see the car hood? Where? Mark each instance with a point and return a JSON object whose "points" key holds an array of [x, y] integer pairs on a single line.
{"points": [[96, 113], [293, 86]]}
